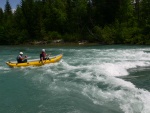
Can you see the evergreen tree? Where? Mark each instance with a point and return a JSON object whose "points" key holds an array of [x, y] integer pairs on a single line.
{"points": [[145, 12], [124, 11], [1, 16], [1, 26], [56, 15], [27, 7], [8, 24], [76, 13], [8, 10], [20, 26], [106, 21], [145, 20]]}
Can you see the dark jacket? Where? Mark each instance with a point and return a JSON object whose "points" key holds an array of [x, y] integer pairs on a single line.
{"points": [[43, 56]]}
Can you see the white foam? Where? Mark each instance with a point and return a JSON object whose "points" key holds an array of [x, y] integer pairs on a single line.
{"points": [[4, 68], [130, 100], [119, 69], [104, 68], [86, 75], [101, 66]]}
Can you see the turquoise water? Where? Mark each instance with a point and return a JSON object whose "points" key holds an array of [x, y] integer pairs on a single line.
{"points": [[89, 79]]}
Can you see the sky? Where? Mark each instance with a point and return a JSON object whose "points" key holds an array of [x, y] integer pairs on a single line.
{"points": [[13, 3]]}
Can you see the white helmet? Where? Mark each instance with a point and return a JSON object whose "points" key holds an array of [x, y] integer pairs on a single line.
{"points": [[43, 50], [21, 53]]}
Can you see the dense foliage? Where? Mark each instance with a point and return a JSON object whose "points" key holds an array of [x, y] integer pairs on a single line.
{"points": [[102, 21]]}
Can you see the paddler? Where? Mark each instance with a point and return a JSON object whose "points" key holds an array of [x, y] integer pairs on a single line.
{"points": [[21, 59], [43, 56]]}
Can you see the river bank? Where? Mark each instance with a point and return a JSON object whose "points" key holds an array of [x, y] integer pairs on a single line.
{"points": [[61, 43]]}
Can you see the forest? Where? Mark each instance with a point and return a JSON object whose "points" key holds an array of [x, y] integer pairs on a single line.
{"points": [[94, 21]]}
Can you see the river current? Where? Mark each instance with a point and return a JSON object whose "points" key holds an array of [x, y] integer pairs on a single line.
{"points": [[88, 79]]}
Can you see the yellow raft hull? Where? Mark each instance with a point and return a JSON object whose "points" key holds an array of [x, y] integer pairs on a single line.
{"points": [[36, 62]]}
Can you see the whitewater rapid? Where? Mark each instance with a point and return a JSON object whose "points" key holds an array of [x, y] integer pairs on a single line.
{"points": [[95, 73]]}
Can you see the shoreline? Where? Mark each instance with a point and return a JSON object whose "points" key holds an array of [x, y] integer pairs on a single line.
{"points": [[73, 44], [63, 44]]}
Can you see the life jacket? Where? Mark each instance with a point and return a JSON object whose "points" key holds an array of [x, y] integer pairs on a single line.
{"points": [[43, 55], [19, 60]]}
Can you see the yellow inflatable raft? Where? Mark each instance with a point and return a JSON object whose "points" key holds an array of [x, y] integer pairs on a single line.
{"points": [[36, 62]]}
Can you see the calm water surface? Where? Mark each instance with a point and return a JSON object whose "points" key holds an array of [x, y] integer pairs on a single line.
{"points": [[89, 79]]}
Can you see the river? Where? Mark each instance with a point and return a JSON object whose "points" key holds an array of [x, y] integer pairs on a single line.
{"points": [[88, 79]]}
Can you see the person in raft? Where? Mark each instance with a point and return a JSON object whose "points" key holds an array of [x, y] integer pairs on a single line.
{"points": [[43, 55], [21, 59]]}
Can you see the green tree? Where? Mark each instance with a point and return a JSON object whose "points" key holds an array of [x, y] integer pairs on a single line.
{"points": [[77, 18], [125, 11], [145, 12], [106, 21], [1, 16], [145, 20], [8, 10], [8, 24], [29, 15], [55, 15], [19, 24]]}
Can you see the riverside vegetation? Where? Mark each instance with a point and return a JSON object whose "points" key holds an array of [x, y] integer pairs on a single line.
{"points": [[94, 21]]}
